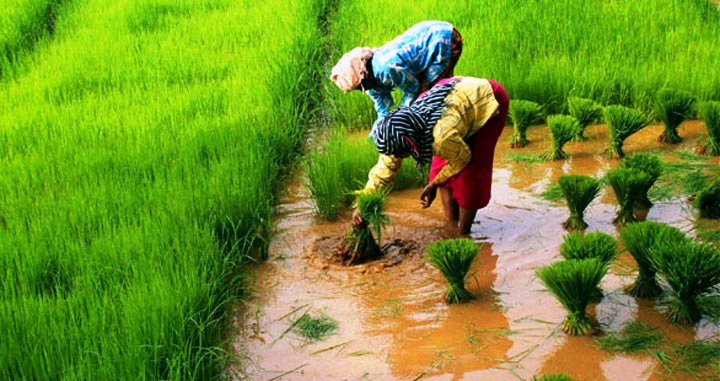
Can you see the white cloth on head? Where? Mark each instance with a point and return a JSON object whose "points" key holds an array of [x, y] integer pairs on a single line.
{"points": [[350, 70]]}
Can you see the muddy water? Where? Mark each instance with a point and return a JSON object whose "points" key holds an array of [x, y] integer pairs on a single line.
{"points": [[393, 323]]}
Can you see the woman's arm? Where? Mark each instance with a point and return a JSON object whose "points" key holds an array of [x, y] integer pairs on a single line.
{"points": [[383, 173]]}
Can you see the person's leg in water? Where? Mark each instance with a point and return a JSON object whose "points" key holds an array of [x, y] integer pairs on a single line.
{"points": [[467, 217], [450, 206], [457, 216]]}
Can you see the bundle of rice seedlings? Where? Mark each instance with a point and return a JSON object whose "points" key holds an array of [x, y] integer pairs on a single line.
{"points": [[523, 115], [579, 245], [315, 328], [691, 274], [652, 166], [579, 191], [586, 111], [360, 245], [639, 239], [622, 122], [574, 284], [563, 128], [629, 185], [708, 200], [453, 257], [710, 113], [598, 245], [672, 107]]}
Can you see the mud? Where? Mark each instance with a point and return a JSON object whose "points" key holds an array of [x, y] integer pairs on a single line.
{"points": [[329, 252], [393, 323]]}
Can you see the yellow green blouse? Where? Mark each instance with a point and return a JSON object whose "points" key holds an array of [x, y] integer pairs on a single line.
{"points": [[467, 108]]}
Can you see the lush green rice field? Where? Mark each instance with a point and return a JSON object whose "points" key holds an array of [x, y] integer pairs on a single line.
{"points": [[141, 149], [142, 144], [614, 51]]}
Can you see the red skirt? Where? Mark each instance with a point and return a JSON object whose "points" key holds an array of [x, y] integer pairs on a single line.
{"points": [[471, 188]]}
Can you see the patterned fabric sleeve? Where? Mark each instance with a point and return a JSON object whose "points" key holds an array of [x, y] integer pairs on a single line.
{"points": [[383, 173], [406, 81], [383, 100]]}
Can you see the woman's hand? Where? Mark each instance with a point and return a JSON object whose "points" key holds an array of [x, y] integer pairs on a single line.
{"points": [[357, 219], [428, 195]]}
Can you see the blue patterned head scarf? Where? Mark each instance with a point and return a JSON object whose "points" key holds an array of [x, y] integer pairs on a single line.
{"points": [[409, 130]]}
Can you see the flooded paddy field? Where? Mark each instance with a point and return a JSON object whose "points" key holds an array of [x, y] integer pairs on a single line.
{"points": [[392, 320]]}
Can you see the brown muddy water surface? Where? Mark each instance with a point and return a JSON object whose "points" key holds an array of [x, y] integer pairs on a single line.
{"points": [[393, 323]]}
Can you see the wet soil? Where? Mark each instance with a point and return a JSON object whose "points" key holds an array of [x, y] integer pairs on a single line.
{"points": [[393, 323], [330, 252]]}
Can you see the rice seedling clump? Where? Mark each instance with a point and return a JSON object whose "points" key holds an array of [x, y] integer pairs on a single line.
{"points": [[708, 200], [710, 114], [315, 328], [634, 337], [563, 128], [672, 107], [579, 245], [586, 111], [639, 239], [360, 246], [622, 123], [598, 245], [453, 257], [652, 166], [579, 191], [574, 284], [691, 275], [523, 115], [630, 186]]}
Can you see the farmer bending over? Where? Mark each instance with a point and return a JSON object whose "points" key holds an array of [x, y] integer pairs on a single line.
{"points": [[412, 62], [459, 122]]}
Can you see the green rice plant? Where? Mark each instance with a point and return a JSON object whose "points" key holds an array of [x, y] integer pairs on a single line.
{"points": [[24, 24], [341, 165], [574, 284], [622, 123], [579, 245], [361, 246], [634, 337], [699, 352], [315, 328], [708, 200], [639, 239], [140, 171], [579, 191], [563, 128], [552, 193], [672, 107], [710, 113], [652, 166], [523, 114], [629, 185], [691, 275], [586, 111], [454, 257], [553, 377]]}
